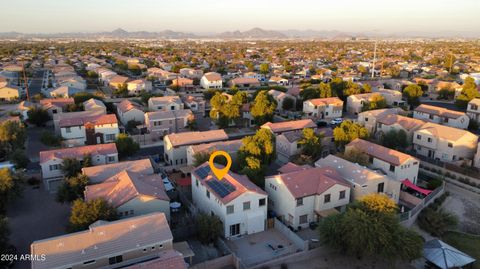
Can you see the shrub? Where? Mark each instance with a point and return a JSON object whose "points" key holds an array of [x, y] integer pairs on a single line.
{"points": [[49, 139]]}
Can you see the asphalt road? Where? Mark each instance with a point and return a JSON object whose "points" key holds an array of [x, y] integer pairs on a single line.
{"points": [[36, 84]]}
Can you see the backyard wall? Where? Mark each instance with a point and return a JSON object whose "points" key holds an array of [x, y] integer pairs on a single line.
{"points": [[299, 242], [218, 263]]}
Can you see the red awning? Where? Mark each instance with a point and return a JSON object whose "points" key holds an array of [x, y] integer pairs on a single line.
{"points": [[409, 184], [186, 181]]}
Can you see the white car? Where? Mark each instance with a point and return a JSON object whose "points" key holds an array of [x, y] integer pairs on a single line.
{"points": [[336, 121]]}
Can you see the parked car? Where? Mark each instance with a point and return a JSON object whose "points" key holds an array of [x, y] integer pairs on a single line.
{"points": [[321, 124], [336, 121]]}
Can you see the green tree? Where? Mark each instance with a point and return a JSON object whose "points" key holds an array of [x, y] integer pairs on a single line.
{"points": [[348, 131], [71, 167], [12, 136], [255, 153], [395, 140], [264, 68], [338, 86], [366, 88], [288, 103], [311, 143], [10, 187], [50, 139], [356, 156], [469, 92], [376, 101], [309, 93], [200, 158], [325, 90], [19, 159], [121, 91], [446, 94], [38, 116], [413, 92], [436, 222], [72, 188], [85, 213], [371, 228], [81, 97], [92, 74], [209, 228], [263, 108], [126, 146]]}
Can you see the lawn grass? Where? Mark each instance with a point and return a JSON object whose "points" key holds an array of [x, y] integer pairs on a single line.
{"points": [[466, 243]]}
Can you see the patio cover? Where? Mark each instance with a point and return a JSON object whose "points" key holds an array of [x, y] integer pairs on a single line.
{"points": [[409, 184], [327, 212], [445, 256]]}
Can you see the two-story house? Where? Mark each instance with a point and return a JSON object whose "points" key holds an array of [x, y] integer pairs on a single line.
{"points": [[165, 103], [106, 244], [442, 116], [176, 144], [196, 104], [211, 80], [395, 164], [306, 195], [51, 160], [369, 118], [231, 147], [239, 203], [280, 97], [395, 122], [94, 104], [287, 144], [161, 123], [473, 110], [89, 130], [365, 181], [444, 143], [323, 108], [56, 105], [191, 73], [356, 102], [130, 111], [244, 83], [286, 126]]}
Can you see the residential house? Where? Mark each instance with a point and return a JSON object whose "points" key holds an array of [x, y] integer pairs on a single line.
{"points": [[473, 110], [89, 130], [9, 93], [211, 80], [287, 144], [51, 160], [260, 77], [231, 147], [117, 81], [56, 105], [286, 126], [235, 200], [166, 103], [130, 111], [280, 97], [306, 195], [395, 122], [139, 85], [369, 118], [476, 160], [98, 174], [244, 83], [395, 164], [94, 104], [442, 116], [176, 144], [132, 193], [161, 74], [191, 73], [64, 92], [182, 83], [444, 143], [195, 103], [161, 123], [278, 81], [364, 180], [57, 117], [356, 102], [106, 244], [323, 108]]}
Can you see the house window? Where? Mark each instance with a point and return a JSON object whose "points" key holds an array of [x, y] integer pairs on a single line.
{"points": [[366, 119], [230, 209], [89, 262], [208, 194], [196, 182], [246, 205], [419, 137], [430, 117], [299, 201], [370, 159], [326, 198], [116, 259], [450, 145], [392, 168], [68, 130], [261, 202], [111, 159], [380, 187], [342, 195], [110, 137], [303, 219], [172, 107], [54, 167], [429, 140], [235, 229]]}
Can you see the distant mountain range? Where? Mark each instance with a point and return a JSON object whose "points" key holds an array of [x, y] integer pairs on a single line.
{"points": [[255, 33]]}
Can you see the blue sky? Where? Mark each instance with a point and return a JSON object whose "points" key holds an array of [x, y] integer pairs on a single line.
{"points": [[52, 16]]}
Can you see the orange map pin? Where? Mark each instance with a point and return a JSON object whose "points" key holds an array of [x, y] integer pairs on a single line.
{"points": [[220, 173]]}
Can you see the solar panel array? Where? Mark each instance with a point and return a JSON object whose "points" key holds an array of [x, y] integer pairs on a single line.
{"points": [[222, 188], [203, 171]]}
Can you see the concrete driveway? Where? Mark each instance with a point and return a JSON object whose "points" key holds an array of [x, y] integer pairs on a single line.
{"points": [[34, 216]]}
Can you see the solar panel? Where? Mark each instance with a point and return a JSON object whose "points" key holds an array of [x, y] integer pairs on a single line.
{"points": [[203, 171], [222, 188]]}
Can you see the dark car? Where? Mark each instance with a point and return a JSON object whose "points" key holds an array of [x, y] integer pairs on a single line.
{"points": [[322, 124]]}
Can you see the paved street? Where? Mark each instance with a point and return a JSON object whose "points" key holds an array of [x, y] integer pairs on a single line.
{"points": [[35, 86]]}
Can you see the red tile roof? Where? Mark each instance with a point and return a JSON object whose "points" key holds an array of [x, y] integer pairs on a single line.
{"points": [[380, 152], [289, 125], [78, 152]]}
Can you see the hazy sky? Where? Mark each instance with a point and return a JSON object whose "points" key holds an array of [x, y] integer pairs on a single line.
{"points": [[52, 16]]}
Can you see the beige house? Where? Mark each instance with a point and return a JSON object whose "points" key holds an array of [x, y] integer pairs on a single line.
{"points": [[473, 110], [97, 174], [57, 117], [355, 102], [286, 126], [323, 108], [106, 244], [94, 104], [161, 123], [442, 116], [130, 111], [195, 103], [305, 195], [287, 144], [369, 118], [132, 193], [231, 147], [90, 130], [51, 160], [176, 144], [395, 164], [244, 83], [117, 81], [445, 143], [396, 122], [476, 160], [56, 105], [139, 85], [364, 180], [211, 80], [280, 97], [166, 103]]}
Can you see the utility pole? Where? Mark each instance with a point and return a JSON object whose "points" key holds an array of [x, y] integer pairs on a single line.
{"points": [[451, 62], [25, 81], [374, 59]]}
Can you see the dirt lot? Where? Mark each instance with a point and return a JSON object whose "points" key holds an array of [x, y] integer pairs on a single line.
{"points": [[466, 205]]}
